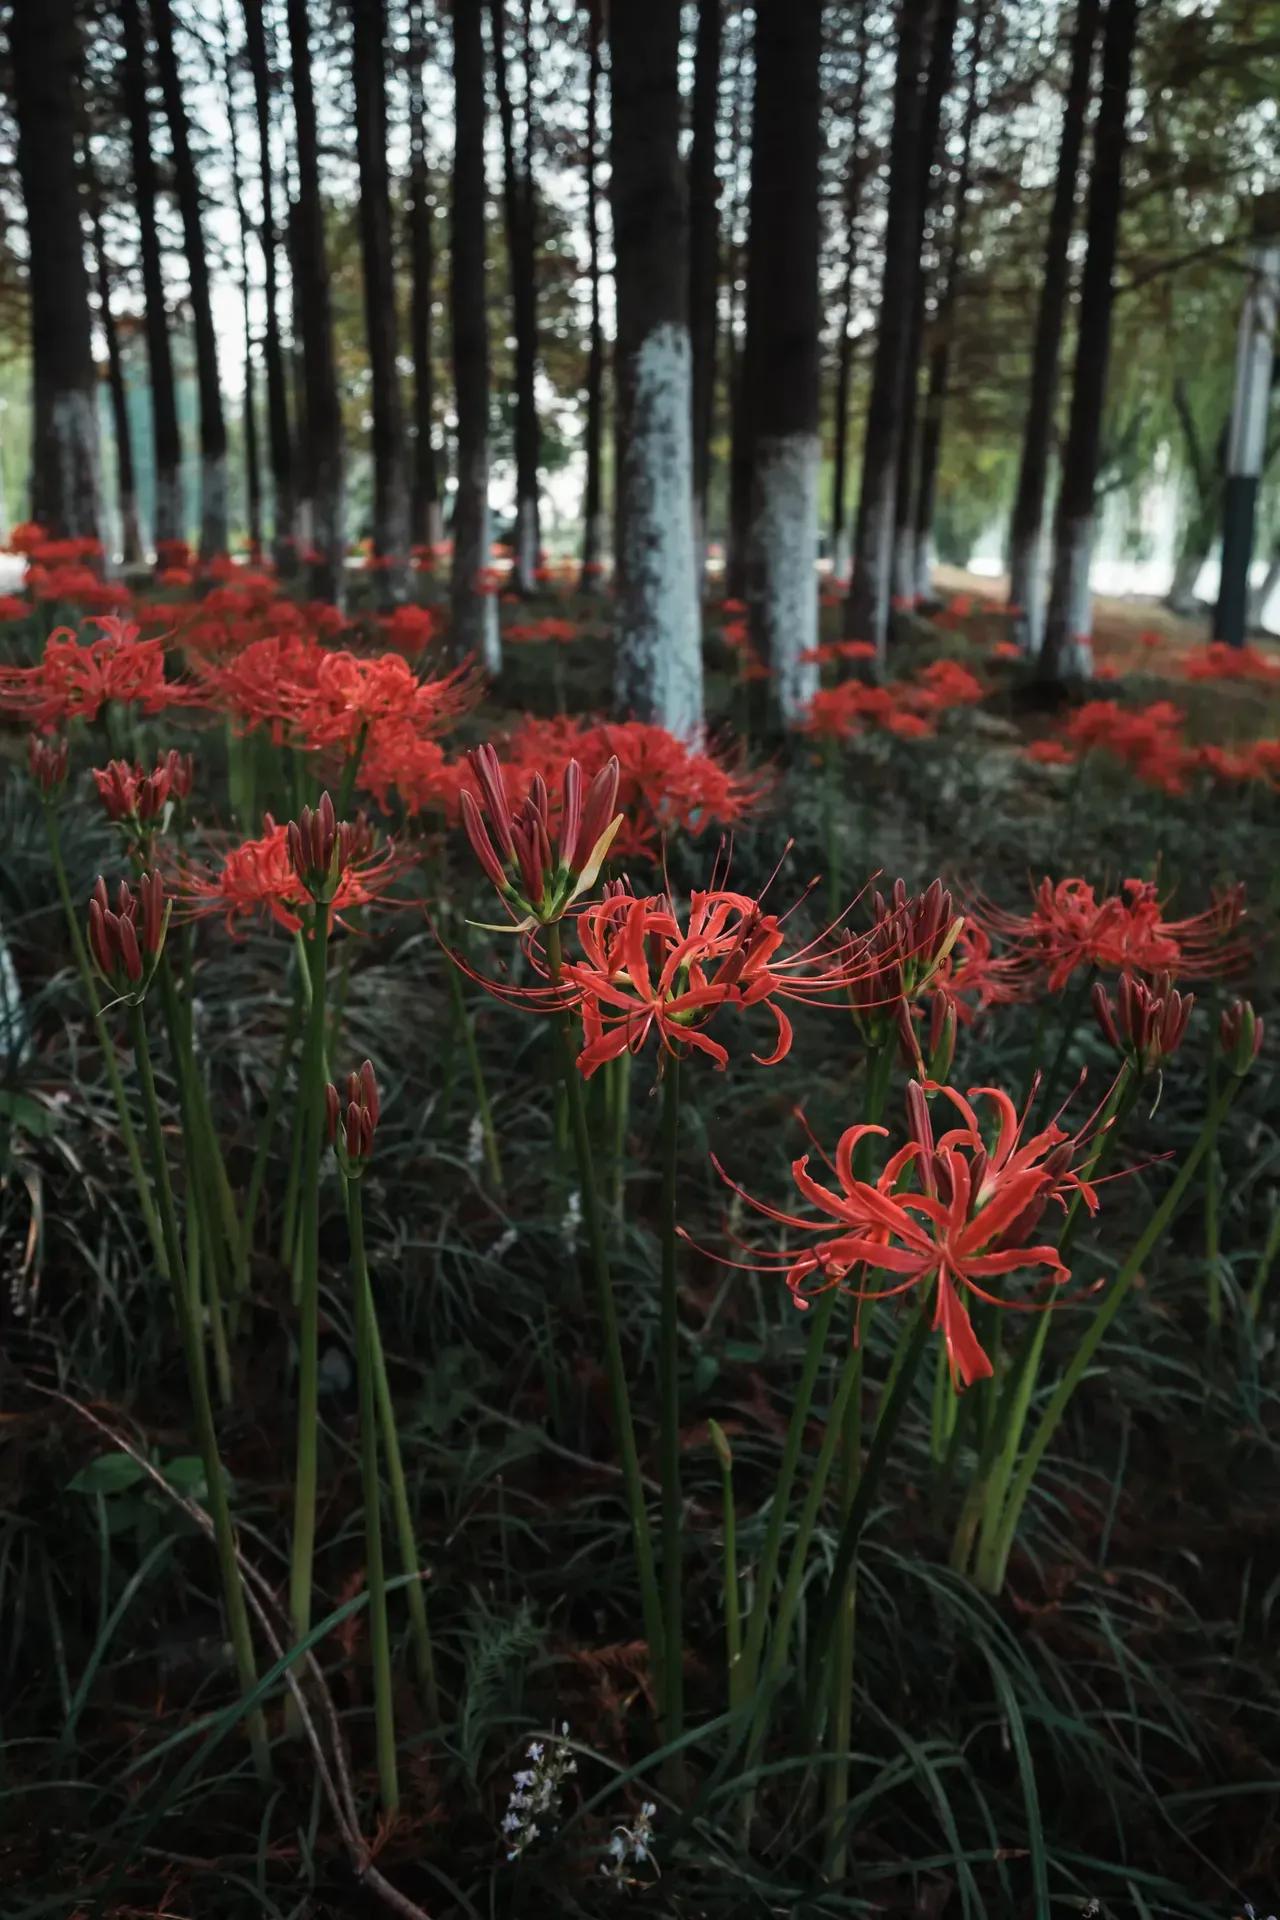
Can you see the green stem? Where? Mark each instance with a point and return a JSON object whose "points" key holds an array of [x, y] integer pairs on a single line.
{"points": [[311, 1128], [420, 1632], [615, 1370], [466, 1033], [106, 1044], [1093, 1338], [198, 1382], [262, 1147], [351, 767], [729, 1562], [1266, 1260], [669, 1412], [620, 1070], [375, 1573], [1212, 1232]]}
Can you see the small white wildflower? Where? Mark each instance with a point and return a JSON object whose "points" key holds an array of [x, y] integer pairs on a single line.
{"points": [[571, 1225], [504, 1243], [631, 1846], [475, 1142], [536, 1790]]}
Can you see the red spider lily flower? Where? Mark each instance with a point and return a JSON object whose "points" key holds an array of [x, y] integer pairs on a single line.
{"points": [[13, 608], [974, 977], [1145, 1023], [1149, 740], [563, 632], [537, 885], [47, 761], [969, 1224], [259, 877], [130, 795], [911, 939], [1069, 927], [76, 680], [1240, 1034], [1050, 753], [126, 943], [641, 971], [1151, 637], [1006, 650], [322, 848], [410, 628], [1221, 662], [353, 1122]]}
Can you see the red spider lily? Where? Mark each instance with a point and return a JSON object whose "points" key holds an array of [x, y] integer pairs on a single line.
{"points": [[563, 632], [126, 943], [1150, 740], [911, 939], [410, 628], [1221, 662], [1145, 1023], [641, 971], [969, 1224], [76, 680], [129, 794], [1051, 753], [1240, 1033], [537, 885], [974, 977], [259, 877], [13, 608], [1069, 927], [397, 759], [352, 1123], [832, 651], [47, 761], [322, 848]]}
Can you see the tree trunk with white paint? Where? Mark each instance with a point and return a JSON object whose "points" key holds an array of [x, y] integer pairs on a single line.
{"points": [[474, 610], [45, 51], [168, 519], [937, 87], [866, 610], [279, 440], [323, 468], [658, 662], [593, 524], [1187, 568], [214, 530], [126, 481], [739, 527], [424, 505], [390, 480], [704, 257], [855, 167], [520, 222], [1261, 594], [782, 581], [1026, 527], [1065, 652]]}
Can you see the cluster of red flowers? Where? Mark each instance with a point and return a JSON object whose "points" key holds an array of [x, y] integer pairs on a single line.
{"points": [[1069, 927], [260, 878], [75, 679], [530, 632], [1151, 742], [908, 708], [1218, 661]]}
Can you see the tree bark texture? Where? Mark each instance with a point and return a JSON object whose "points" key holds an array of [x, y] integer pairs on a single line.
{"points": [[519, 219], [126, 480], [704, 255], [593, 541], [279, 438], [854, 166], [425, 528]]}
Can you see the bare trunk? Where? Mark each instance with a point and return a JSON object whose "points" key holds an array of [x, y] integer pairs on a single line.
{"points": [[782, 594], [475, 611], [126, 483], [323, 419], [213, 431], [740, 458], [278, 436], [1026, 526], [854, 165], [1189, 565], [658, 661], [390, 489], [1260, 597], [593, 527], [704, 257], [169, 518], [252, 465], [866, 613], [424, 512], [1065, 652], [518, 212]]}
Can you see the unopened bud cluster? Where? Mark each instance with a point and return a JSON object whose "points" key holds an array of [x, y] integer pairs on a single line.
{"points": [[47, 760], [352, 1119], [912, 936], [1145, 1023], [321, 848], [126, 940], [1240, 1032], [537, 880], [133, 798]]}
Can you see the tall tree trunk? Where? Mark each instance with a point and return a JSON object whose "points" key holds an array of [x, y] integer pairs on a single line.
{"points": [[425, 525], [658, 662], [844, 349], [1066, 649], [940, 352], [937, 87], [866, 611], [213, 430], [169, 516], [782, 581], [45, 49], [475, 612], [739, 527], [1026, 528], [704, 258], [278, 436], [518, 218], [1205, 517], [390, 490], [593, 495], [126, 483], [252, 464], [322, 467]]}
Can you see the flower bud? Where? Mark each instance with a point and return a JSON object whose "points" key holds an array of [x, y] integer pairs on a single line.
{"points": [[47, 760], [720, 1444], [126, 942], [1240, 1031], [351, 1119], [320, 849]]}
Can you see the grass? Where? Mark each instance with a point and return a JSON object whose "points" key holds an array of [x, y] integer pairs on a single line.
{"points": [[1105, 1733]]}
